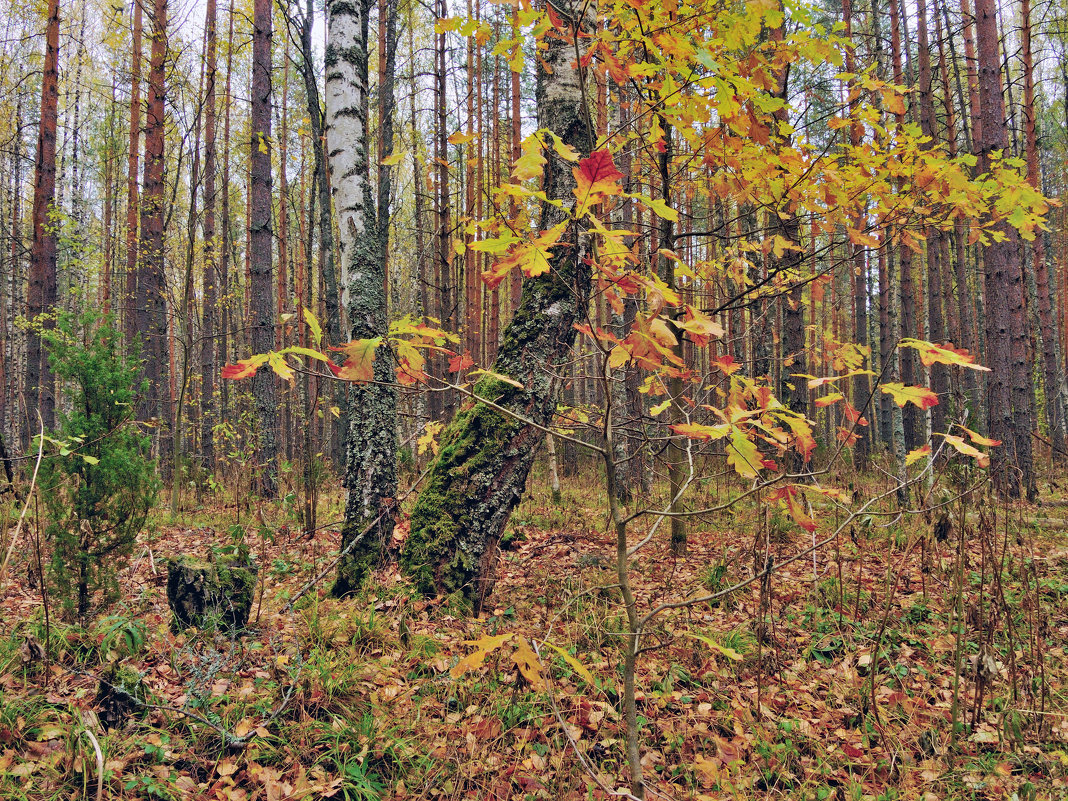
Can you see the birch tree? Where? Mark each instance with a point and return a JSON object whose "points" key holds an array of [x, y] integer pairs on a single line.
{"points": [[480, 473], [371, 465]]}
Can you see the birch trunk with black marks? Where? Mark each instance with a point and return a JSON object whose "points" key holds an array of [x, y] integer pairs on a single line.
{"points": [[371, 465], [485, 455]]}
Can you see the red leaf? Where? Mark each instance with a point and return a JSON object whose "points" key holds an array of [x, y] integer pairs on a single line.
{"points": [[595, 176], [853, 415], [245, 368], [460, 363]]}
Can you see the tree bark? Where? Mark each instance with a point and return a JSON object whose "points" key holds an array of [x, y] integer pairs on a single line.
{"points": [[41, 299], [481, 469], [1053, 379], [261, 301], [151, 298], [371, 467], [936, 331], [861, 384], [208, 358], [129, 301], [1009, 398]]}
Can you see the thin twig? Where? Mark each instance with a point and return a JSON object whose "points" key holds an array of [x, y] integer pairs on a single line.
{"points": [[563, 727], [348, 548], [25, 507], [99, 764]]}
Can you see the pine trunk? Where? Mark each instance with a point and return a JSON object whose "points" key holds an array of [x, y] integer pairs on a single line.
{"points": [[151, 299], [935, 322], [261, 301], [41, 299], [1009, 398], [1053, 379], [208, 359]]}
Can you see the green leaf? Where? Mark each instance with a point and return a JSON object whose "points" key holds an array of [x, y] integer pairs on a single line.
{"points": [[577, 666], [742, 455], [730, 653], [313, 324]]}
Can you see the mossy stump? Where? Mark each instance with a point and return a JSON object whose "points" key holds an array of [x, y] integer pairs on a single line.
{"points": [[121, 693], [204, 594]]}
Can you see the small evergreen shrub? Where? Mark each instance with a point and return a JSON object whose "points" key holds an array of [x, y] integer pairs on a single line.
{"points": [[100, 486]]}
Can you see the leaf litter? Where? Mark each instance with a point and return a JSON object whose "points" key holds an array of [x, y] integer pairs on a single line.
{"points": [[804, 686]]}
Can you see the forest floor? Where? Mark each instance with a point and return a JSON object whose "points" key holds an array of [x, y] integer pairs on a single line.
{"points": [[838, 679]]}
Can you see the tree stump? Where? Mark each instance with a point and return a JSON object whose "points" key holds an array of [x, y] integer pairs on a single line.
{"points": [[121, 694], [205, 594]]}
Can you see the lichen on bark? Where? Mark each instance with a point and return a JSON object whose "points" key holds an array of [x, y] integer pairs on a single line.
{"points": [[485, 456], [371, 468]]}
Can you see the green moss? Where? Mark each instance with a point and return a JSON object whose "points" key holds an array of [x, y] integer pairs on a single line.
{"points": [[121, 694], [201, 593], [485, 454]]}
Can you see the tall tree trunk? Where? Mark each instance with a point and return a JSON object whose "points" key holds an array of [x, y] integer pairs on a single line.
{"points": [[447, 289], [208, 359], [861, 385], [1009, 399], [1053, 378], [907, 301], [129, 301], [371, 467], [935, 323], [481, 470], [261, 304], [151, 301], [674, 453], [332, 294], [959, 246], [226, 240], [40, 383], [472, 277], [793, 392]]}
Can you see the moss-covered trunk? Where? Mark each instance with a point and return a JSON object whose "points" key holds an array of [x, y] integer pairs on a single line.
{"points": [[485, 455]]}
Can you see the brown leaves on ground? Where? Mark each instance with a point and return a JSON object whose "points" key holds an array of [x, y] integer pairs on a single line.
{"points": [[765, 693]]}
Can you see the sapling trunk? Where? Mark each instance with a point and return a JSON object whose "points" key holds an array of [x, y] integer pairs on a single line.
{"points": [[554, 475], [630, 660]]}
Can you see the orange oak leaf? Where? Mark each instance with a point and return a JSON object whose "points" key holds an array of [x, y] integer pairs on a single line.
{"points": [[460, 363], [596, 178]]}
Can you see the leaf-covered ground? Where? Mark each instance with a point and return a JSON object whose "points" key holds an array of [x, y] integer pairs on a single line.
{"points": [[839, 678]]}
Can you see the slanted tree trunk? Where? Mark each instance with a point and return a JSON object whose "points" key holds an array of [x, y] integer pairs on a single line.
{"points": [[481, 469], [41, 299], [261, 302], [371, 453]]}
